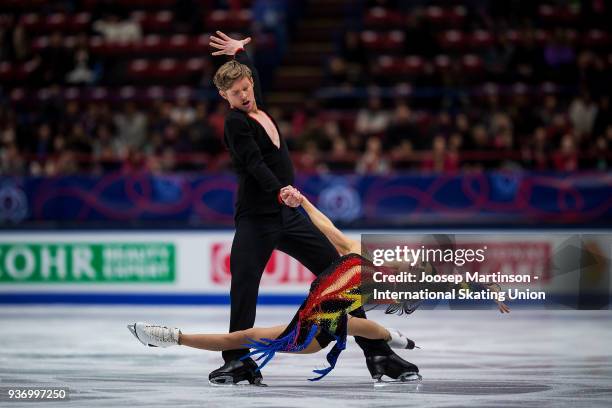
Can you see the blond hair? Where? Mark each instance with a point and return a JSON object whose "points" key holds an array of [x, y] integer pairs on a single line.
{"points": [[230, 72]]}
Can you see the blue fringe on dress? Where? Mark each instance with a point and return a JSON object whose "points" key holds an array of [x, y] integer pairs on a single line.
{"points": [[267, 348]]}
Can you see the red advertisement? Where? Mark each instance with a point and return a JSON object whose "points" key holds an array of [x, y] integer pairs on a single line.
{"points": [[281, 269]]}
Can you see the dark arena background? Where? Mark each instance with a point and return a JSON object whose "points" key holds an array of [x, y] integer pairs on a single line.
{"points": [[486, 123]]}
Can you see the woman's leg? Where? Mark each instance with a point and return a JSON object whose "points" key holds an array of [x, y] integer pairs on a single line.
{"points": [[367, 328], [229, 341]]}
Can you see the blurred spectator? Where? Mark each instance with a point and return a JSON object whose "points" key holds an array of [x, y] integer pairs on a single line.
{"points": [[372, 160], [402, 129], [114, 29], [582, 113], [315, 132], [403, 156], [502, 131], [310, 110], [201, 135], [11, 161], [600, 153], [478, 143], [340, 157], [566, 157], [160, 116], [168, 160], [536, 152], [44, 144], [443, 125], [548, 110], [462, 126], [310, 160], [182, 113], [14, 44], [82, 71], [131, 127], [558, 127], [108, 152], [372, 119], [79, 151], [338, 72], [83, 68], [440, 159], [217, 118]]}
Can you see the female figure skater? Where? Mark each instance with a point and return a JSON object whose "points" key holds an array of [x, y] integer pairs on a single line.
{"points": [[321, 319]]}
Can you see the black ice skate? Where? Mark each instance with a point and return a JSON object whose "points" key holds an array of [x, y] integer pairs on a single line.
{"points": [[235, 371], [392, 366]]}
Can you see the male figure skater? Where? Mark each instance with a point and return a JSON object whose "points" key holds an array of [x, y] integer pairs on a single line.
{"points": [[263, 222]]}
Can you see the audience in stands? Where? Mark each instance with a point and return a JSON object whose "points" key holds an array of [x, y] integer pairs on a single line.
{"points": [[515, 97]]}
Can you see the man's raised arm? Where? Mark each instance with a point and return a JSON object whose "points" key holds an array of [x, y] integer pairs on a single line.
{"points": [[235, 48]]}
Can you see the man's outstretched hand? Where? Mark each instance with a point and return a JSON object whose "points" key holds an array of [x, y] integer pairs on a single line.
{"points": [[291, 196], [227, 45]]}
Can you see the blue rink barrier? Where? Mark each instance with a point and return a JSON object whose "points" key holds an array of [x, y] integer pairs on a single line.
{"points": [[140, 298], [203, 299], [500, 198]]}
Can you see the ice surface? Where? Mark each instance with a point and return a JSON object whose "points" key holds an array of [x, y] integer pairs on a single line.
{"points": [[468, 358]]}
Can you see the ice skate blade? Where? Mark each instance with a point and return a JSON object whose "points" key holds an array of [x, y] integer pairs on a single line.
{"points": [[228, 381], [132, 329], [404, 379]]}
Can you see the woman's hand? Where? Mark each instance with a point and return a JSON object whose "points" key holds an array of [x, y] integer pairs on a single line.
{"points": [[291, 196], [227, 45], [503, 308]]}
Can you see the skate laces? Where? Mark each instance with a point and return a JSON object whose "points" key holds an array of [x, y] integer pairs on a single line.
{"points": [[399, 340], [161, 333]]}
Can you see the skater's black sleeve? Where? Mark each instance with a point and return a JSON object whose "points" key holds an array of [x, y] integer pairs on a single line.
{"points": [[243, 58], [240, 142]]}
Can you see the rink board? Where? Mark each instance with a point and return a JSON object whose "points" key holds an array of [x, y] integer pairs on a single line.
{"points": [[178, 267]]}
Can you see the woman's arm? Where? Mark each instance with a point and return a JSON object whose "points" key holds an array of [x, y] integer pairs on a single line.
{"points": [[343, 244]]}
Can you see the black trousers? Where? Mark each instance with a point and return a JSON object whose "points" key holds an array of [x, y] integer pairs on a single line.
{"points": [[256, 237]]}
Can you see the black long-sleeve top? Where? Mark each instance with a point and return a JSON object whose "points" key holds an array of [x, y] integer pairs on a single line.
{"points": [[261, 167]]}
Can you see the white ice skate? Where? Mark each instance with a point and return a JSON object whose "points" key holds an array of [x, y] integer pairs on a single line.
{"points": [[399, 341], [154, 336]]}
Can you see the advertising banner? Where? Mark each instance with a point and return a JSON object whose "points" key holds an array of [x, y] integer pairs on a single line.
{"points": [[195, 266]]}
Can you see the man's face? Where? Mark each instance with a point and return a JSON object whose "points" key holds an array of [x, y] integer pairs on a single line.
{"points": [[240, 95]]}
